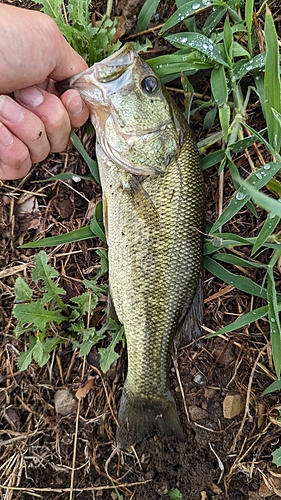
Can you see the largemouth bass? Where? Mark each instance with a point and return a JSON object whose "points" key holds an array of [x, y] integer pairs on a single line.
{"points": [[153, 199]]}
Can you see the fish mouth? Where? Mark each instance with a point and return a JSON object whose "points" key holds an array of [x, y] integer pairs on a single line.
{"points": [[102, 75]]}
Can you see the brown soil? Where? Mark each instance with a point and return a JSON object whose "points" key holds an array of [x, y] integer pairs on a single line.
{"points": [[221, 458]]}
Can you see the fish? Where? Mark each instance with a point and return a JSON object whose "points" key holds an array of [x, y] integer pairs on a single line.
{"points": [[154, 211]]}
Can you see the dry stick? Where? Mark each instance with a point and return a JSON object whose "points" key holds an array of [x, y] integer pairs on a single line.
{"points": [[145, 32], [78, 490], [175, 361], [247, 403], [75, 438], [106, 394]]}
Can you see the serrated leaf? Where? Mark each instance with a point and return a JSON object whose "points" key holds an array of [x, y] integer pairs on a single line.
{"points": [[175, 494], [51, 7], [25, 358], [276, 457], [43, 271], [108, 354], [22, 291], [90, 337], [85, 303], [79, 11], [36, 314]]}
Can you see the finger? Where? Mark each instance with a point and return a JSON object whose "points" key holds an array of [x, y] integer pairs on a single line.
{"points": [[26, 126], [15, 160], [77, 110], [51, 111]]}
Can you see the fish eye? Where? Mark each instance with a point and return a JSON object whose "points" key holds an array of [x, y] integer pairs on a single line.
{"points": [[150, 84]]}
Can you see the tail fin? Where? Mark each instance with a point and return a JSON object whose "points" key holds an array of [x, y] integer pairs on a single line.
{"points": [[139, 416]]}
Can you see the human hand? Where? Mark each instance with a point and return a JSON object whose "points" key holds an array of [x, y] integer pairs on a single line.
{"points": [[35, 121]]}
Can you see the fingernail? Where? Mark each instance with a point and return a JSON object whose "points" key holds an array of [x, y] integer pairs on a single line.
{"points": [[74, 105], [6, 138], [10, 110], [30, 96]]}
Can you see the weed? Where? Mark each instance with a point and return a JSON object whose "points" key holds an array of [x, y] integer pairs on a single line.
{"points": [[46, 317], [175, 494], [91, 42]]}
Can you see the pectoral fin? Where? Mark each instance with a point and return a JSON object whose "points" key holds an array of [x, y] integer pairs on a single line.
{"points": [[141, 200]]}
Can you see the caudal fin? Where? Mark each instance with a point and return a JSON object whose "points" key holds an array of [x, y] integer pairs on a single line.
{"points": [[139, 416]]}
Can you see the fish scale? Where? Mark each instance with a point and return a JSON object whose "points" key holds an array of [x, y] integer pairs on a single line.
{"points": [[153, 198]]}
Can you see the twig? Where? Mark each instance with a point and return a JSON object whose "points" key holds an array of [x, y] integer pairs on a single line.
{"points": [[76, 437], [247, 403], [75, 490], [175, 361]]}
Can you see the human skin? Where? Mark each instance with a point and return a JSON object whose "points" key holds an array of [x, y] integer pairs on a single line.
{"points": [[34, 119]]}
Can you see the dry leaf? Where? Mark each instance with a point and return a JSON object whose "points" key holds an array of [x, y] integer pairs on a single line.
{"points": [[85, 388]]}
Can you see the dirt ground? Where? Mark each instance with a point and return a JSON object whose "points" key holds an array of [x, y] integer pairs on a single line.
{"points": [[51, 456]]}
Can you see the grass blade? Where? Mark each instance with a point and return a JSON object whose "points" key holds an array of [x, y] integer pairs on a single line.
{"points": [[244, 320], [272, 88], [96, 225], [247, 190], [174, 64], [238, 261], [263, 200], [240, 282], [83, 233], [188, 10], [219, 86], [266, 230], [93, 166], [273, 314], [147, 10], [249, 20], [197, 41]]}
